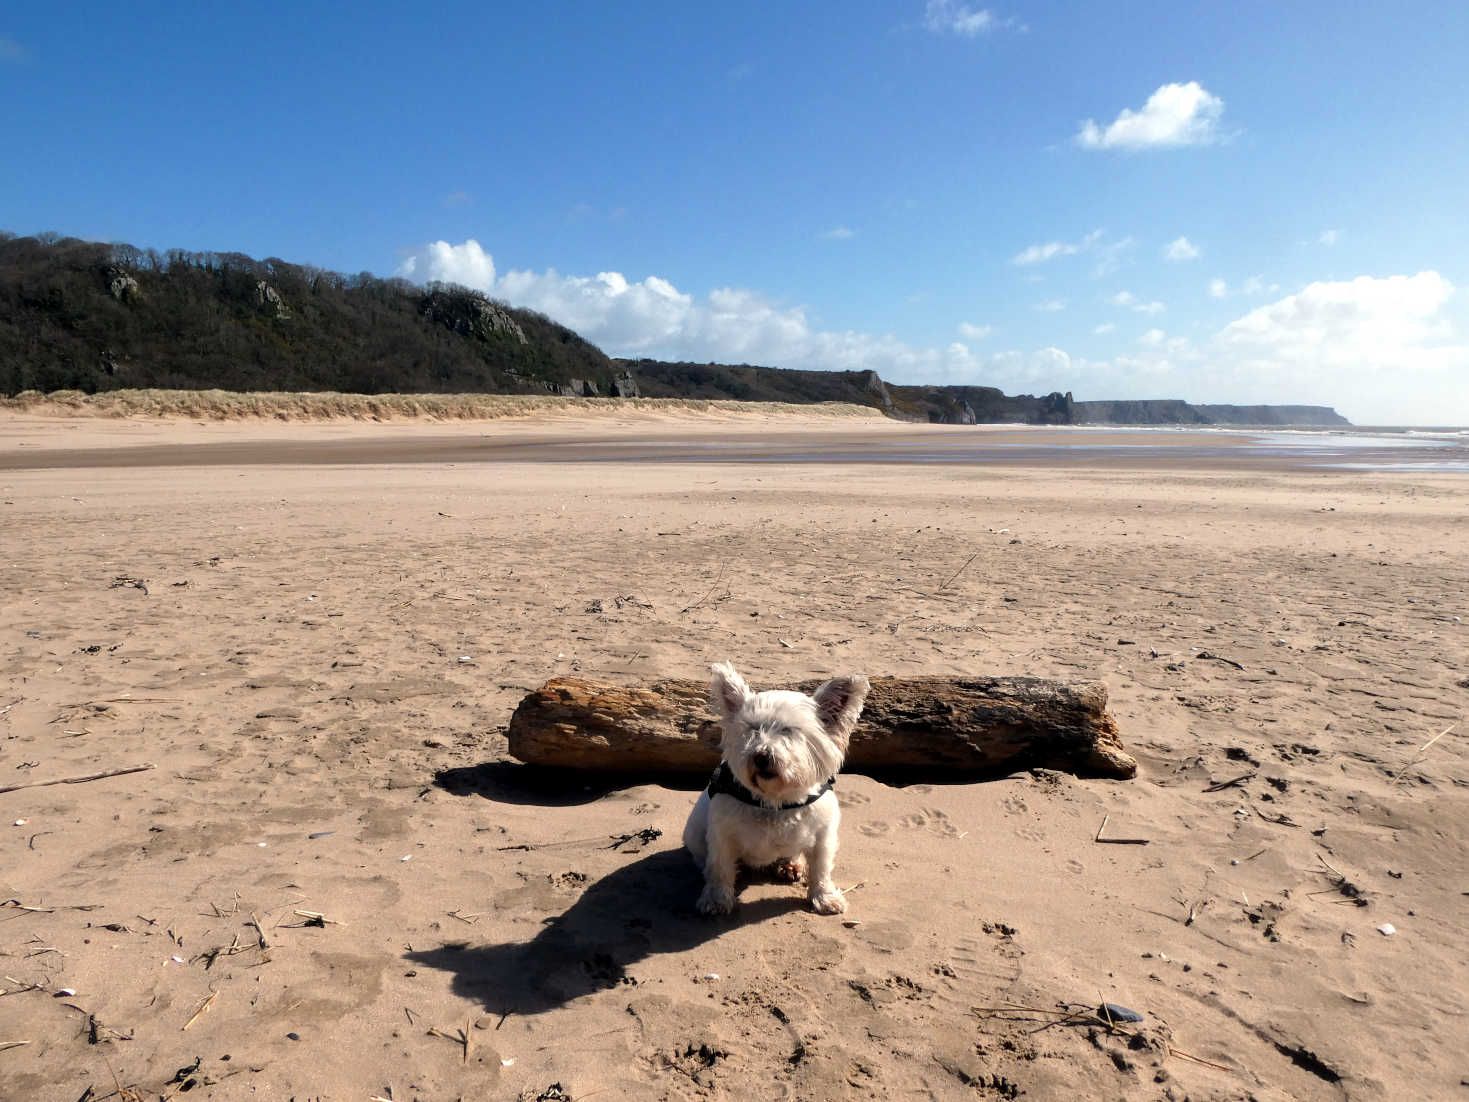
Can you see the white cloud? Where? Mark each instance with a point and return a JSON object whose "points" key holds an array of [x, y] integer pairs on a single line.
{"points": [[1039, 254], [1051, 306], [1387, 346], [1175, 115], [1105, 327], [1132, 302], [975, 332], [1329, 237], [1181, 248], [1152, 337], [1108, 253], [949, 16], [1385, 322], [466, 264], [839, 233], [1218, 288]]}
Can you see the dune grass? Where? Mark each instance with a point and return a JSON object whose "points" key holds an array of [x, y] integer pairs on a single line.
{"points": [[221, 405]]}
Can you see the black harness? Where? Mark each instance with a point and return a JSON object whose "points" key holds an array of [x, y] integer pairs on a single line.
{"points": [[724, 783]]}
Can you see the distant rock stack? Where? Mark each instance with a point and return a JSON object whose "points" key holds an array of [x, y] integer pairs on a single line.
{"points": [[624, 386]]}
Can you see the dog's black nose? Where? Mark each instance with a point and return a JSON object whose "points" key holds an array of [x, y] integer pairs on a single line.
{"points": [[763, 761]]}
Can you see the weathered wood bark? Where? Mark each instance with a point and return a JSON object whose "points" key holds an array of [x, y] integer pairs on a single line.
{"points": [[938, 724]]}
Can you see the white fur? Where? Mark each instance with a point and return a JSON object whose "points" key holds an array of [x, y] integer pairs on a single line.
{"points": [[782, 746]]}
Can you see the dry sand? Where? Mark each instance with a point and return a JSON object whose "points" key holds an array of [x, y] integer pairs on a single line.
{"points": [[320, 655]]}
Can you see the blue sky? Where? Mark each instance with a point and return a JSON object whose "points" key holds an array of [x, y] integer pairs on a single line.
{"points": [[1241, 202]]}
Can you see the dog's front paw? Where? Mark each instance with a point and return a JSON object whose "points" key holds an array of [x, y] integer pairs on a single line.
{"points": [[828, 902], [716, 901]]}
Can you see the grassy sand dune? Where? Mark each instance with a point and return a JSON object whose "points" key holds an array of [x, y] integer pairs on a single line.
{"points": [[220, 405]]}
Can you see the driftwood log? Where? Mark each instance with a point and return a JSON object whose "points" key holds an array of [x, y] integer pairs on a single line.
{"points": [[981, 725]]}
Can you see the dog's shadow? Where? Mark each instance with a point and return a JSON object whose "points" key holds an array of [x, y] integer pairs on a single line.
{"points": [[642, 909]]}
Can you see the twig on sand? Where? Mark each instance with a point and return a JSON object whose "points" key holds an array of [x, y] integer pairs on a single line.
{"points": [[12, 1044], [1117, 841], [5, 709], [723, 566], [17, 905], [1197, 1059], [1220, 786], [956, 573], [259, 932], [1416, 757], [78, 780], [1210, 656], [314, 918], [459, 1037], [205, 1005]]}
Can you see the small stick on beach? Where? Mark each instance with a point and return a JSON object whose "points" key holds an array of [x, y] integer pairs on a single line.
{"points": [[259, 933], [1198, 1060], [1117, 841], [12, 1044], [1416, 757], [1220, 786], [459, 1037], [956, 573], [205, 1005], [78, 780]]}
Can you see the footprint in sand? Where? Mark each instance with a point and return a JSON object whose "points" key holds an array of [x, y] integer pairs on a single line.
{"points": [[930, 819], [975, 969], [852, 799]]}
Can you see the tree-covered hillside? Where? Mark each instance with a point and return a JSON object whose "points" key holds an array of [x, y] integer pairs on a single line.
{"points": [[88, 316]]}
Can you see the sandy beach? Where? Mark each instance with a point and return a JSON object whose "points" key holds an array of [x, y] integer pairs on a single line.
{"points": [[334, 883]]}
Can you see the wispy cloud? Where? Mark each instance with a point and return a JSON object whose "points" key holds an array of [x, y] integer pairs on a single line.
{"points": [[975, 332], [1039, 254], [459, 198], [1175, 115], [1132, 302], [952, 17], [1105, 327], [1108, 251], [1254, 285], [1051, 306], [1152, 337], [839, 233], [1329, 237], [1181, 248]]}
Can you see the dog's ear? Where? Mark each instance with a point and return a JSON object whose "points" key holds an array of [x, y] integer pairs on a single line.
{"points": [[727, 691], [839, 703]]}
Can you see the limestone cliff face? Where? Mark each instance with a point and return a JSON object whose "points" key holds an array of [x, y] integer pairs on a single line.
{"points": [[470, 315], [1175, 411]]}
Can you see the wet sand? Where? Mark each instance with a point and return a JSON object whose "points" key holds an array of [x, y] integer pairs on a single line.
{"points": [[319, 657]]}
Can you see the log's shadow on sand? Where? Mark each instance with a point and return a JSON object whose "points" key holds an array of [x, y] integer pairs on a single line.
{"points": [[644, 908], [510, 783]]}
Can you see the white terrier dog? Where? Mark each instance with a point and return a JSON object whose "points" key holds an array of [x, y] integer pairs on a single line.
{"points": [[770, 802]]}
